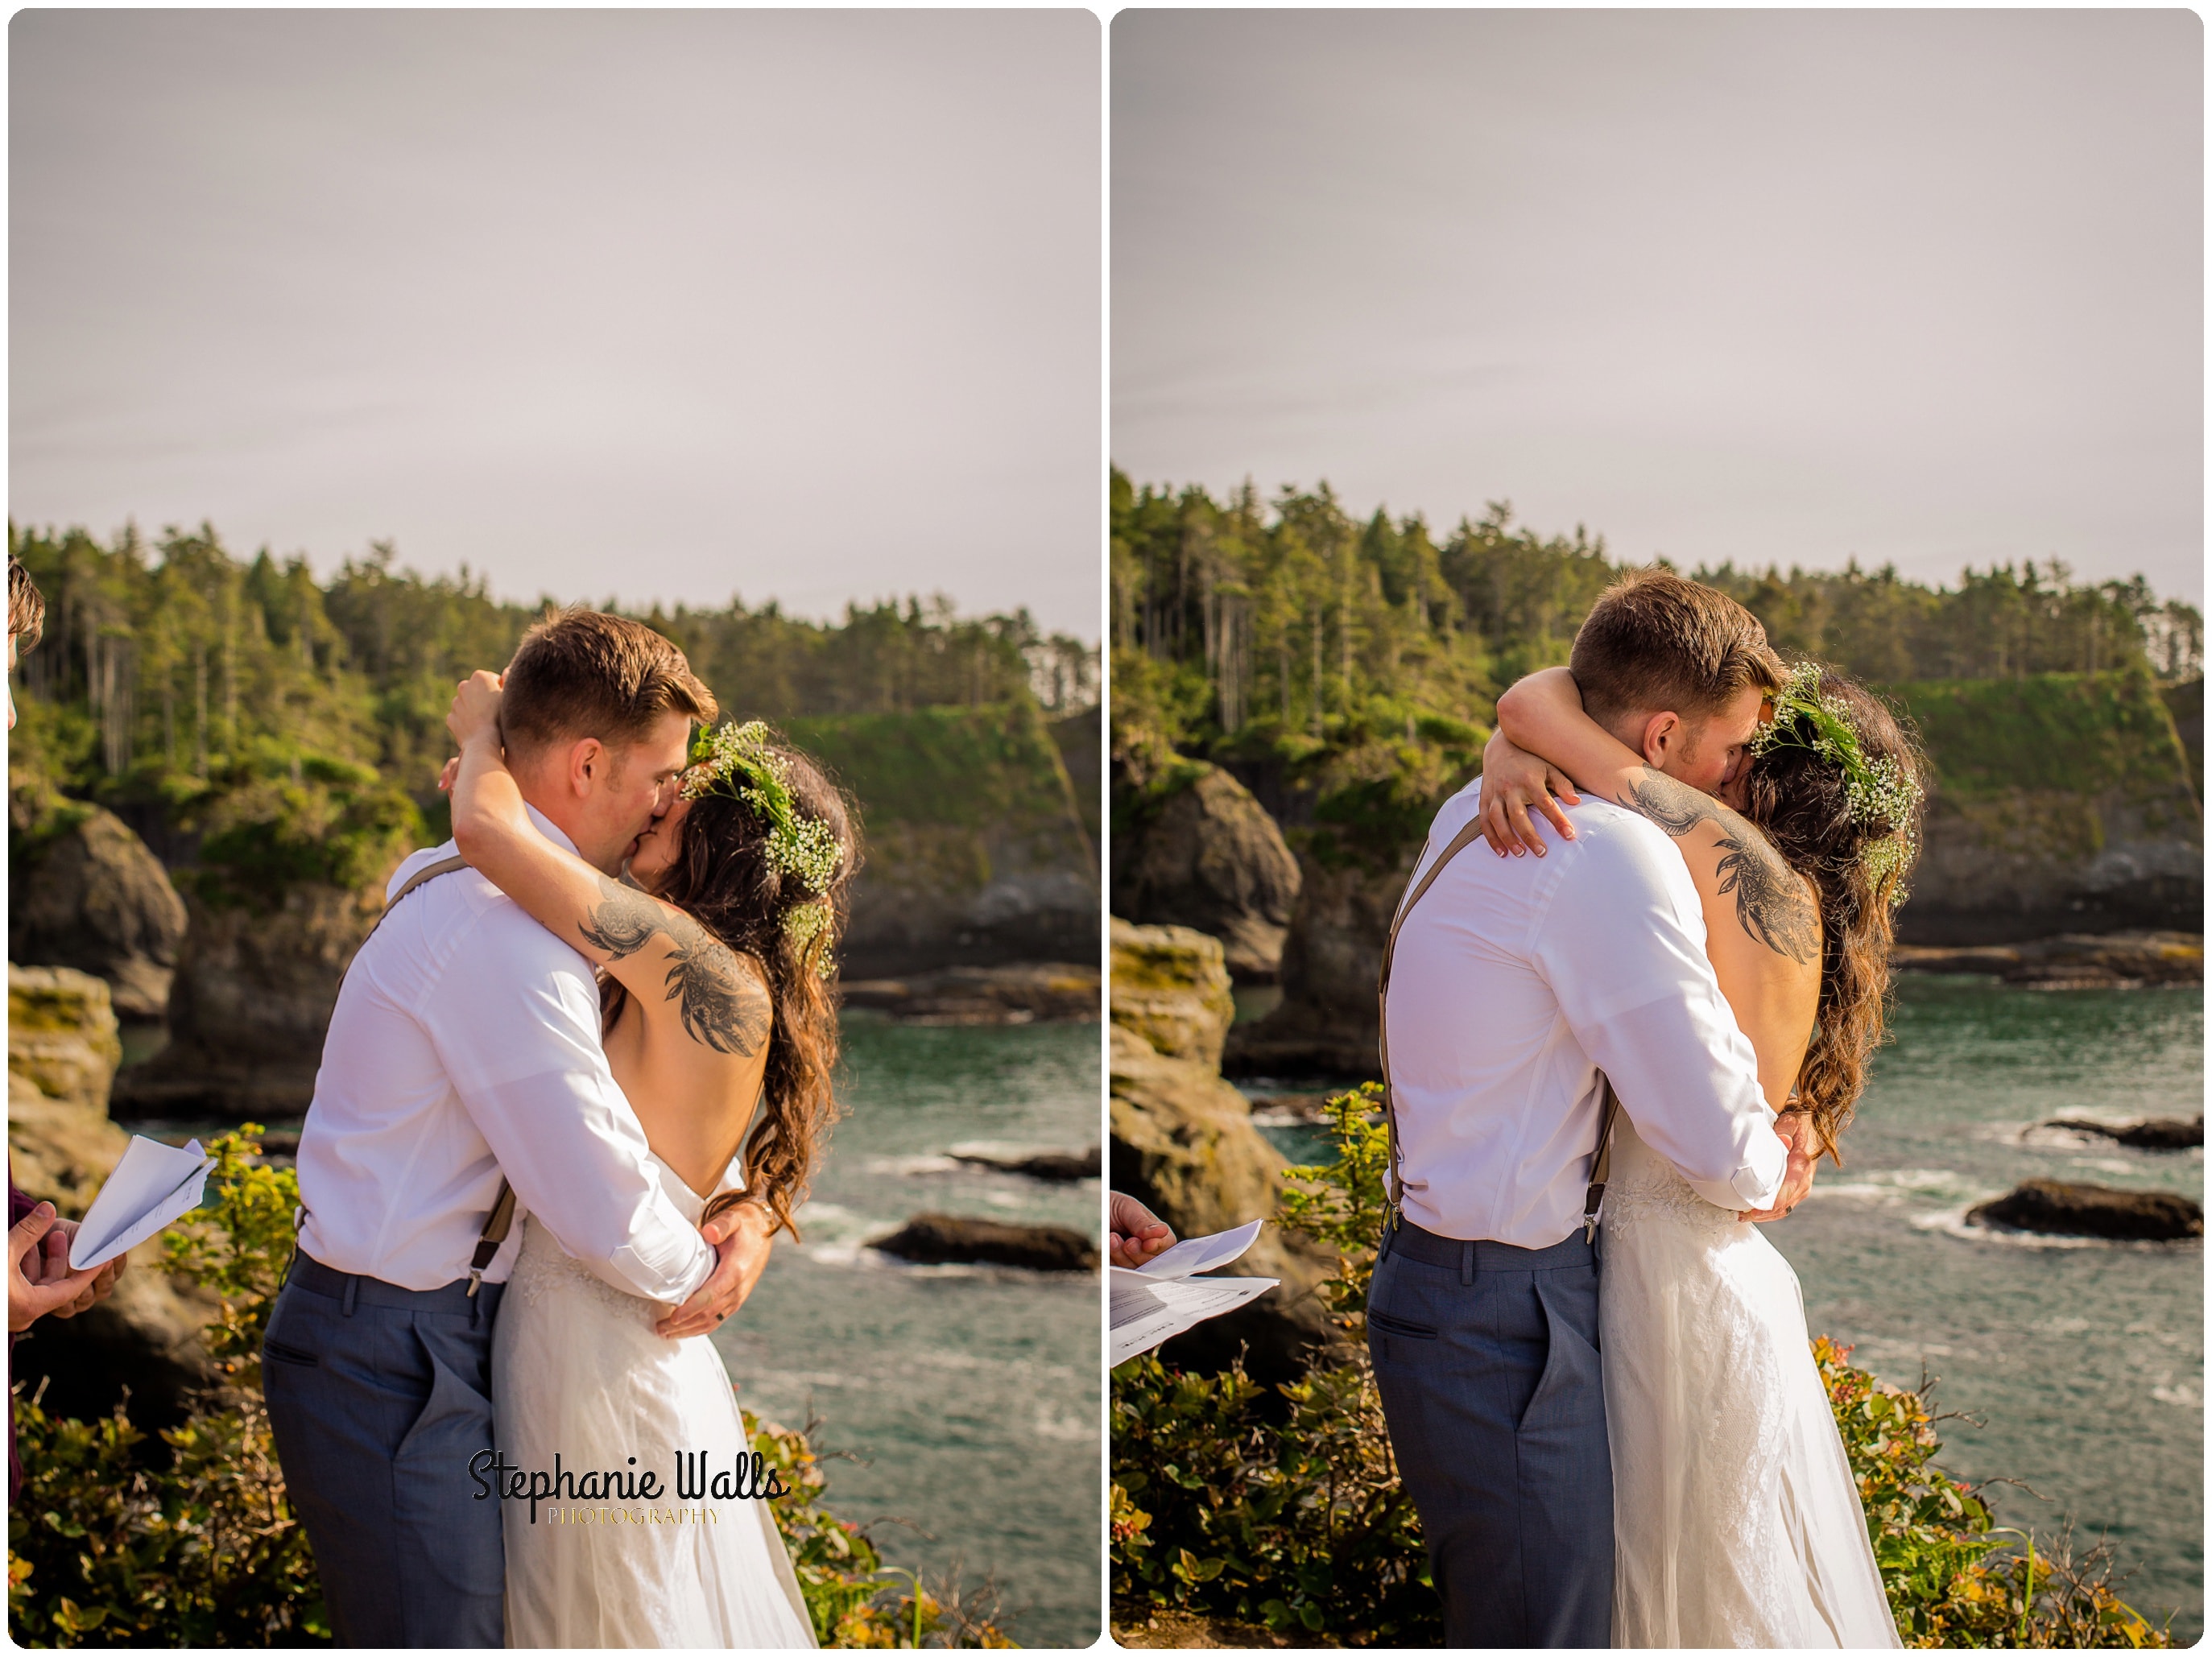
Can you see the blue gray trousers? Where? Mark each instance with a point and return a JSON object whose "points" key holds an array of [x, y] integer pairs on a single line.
{"points": [[1487, 1358], [378, 1397]]}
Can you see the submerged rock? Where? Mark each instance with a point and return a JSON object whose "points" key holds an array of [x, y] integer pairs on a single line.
{"points": [[1172, 990], [2154, 1133], [2063, 1209], [1056, 990], [96, 899], [943, 1239], [2072, 960], [1211, 856], [1060, 1166]]}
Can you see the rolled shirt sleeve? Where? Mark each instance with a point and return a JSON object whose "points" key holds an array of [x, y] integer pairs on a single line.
{"points": [[522, 1050], [1622, 946]]}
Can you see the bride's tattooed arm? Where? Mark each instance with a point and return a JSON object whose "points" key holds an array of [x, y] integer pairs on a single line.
{"points": [[1771, 902], [722, 1004]]}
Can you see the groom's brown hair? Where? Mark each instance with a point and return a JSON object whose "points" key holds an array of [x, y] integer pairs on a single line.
{"points": [[1654, 642], [584, 673]]}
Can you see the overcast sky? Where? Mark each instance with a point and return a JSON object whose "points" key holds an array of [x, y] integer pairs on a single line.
{"points": [[1764, 286], [797, 305]]}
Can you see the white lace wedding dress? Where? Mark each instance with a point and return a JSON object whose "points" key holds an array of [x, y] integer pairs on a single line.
{"points": [[577, 1369], [1736, 1520]]}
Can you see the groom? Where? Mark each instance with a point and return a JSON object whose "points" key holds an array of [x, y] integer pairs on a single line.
{"points": [[1514, 980], [466, 1048]]}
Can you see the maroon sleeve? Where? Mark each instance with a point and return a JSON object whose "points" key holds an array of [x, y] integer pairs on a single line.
{"points": [[18, 1206]]}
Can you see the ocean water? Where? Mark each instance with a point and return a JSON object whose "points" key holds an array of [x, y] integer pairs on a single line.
{"points": [[2082, 1362], [968, 1397], [2077, 1366]]}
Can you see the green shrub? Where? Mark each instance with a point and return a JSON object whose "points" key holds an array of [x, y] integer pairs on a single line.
{"points": [[1228, 1503], [112, 1542]]}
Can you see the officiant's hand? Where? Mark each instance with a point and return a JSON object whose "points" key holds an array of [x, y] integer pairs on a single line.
{"points": [[1795, 1128], [33, 1288], [58, 1266], [740, 1236], [1134, 1233]]}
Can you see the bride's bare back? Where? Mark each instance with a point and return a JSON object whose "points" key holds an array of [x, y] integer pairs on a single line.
{"points": [[690, 1046], [1762, 921]]}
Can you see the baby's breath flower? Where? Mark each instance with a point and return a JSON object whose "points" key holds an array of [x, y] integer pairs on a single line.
{"points": [[1879, 793], [736, 760]]}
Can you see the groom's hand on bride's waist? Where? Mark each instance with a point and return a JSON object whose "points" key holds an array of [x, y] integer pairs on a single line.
{"points": [[1795, 1128], [739, 1235]]}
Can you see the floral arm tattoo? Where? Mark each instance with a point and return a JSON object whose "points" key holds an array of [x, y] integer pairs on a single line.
{"points": [[722, 1004], [1770, 903]]}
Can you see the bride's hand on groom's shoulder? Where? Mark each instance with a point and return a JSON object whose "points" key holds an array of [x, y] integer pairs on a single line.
{"points": [[1514, 779], [739, 1235]]}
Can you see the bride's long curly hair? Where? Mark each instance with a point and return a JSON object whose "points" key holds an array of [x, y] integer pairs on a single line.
{"points": [[723, 878], [1799, 800]]}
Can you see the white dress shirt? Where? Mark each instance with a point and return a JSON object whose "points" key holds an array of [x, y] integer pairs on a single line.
{"points": [[465, 1045], [1516, 981]]}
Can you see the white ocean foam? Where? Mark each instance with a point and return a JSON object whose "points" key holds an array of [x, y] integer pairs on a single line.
{"points": [[936, 1358], [2188, 1397], [1001, 1148], [1919, 1179], [911, 1165], [1895, 1186], [1951, 1222], [1064, 1430]]}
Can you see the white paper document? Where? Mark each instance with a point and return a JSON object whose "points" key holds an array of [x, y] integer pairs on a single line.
{"points": [[1161, 1298], [153, 1185]]}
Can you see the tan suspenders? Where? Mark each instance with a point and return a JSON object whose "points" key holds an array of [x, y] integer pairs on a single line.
{"points": [[1392, 1212], [502, 1218]]}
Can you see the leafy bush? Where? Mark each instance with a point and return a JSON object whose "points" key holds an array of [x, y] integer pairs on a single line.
{"points": [[114, 1541], [326, 822], [1228, 1503], [1952, 1578]]}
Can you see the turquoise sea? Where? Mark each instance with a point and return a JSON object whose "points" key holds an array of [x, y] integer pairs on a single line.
{"points": [[2076, 1367], [968, 1397]]}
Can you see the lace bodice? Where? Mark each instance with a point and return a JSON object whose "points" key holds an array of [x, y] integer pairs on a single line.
{"points": [[1644, 1187], [541, 1264]]}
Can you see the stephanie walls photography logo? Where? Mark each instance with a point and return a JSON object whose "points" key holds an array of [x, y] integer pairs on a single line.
{"points": [[610, 1497]]}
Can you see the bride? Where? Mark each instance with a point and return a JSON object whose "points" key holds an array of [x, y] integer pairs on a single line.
{"points": [[720, 1029], [1737, 1520]]}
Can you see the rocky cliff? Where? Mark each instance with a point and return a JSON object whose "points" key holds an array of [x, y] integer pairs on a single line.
{"points": [[2062, 803], [1326, 1023], [977, 852], [253, 998], [1204, 853], [61, 1054], [92, 898], [1183, 1144]]}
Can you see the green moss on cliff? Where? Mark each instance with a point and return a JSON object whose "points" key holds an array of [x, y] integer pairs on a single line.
{"points": [[979, 769], [2068, 733]]}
